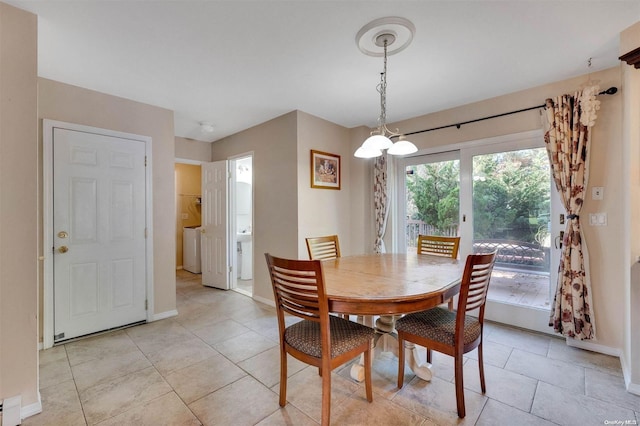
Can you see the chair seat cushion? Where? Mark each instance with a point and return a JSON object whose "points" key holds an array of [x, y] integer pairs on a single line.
{"points": [[345, 335], [438, 324]]}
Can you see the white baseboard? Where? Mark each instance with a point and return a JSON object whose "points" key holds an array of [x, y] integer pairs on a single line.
{"points": [[40, 346], [163, 315], [178, 268], [31, 409], [265, 301], [633, 388], [594, 347]]}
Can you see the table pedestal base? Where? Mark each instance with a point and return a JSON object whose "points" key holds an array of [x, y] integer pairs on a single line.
{"points": [[387, 341]]}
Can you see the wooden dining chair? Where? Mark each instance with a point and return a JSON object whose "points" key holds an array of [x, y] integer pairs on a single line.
{"points": [[452, 333], [323, 248], [440, 246], [322, 340]]}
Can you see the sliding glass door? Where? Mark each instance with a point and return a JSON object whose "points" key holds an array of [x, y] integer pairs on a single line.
{"points": [[432, 188], [500, 192]]}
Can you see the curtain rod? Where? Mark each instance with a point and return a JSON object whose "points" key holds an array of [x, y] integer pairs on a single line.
{"points": [[609, 91]]}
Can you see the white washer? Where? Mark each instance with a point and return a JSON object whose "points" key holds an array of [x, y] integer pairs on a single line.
{"points": [[191, 249]]}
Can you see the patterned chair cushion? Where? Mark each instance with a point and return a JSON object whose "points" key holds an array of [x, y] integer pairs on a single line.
{"points": [[438, 324], [345, 335]]}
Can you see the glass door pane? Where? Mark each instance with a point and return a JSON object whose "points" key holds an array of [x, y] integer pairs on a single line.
{"points": [[432, 188], [511, 214]]}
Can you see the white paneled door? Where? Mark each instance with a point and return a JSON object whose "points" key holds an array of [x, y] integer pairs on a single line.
{"points": [[216, 267], [99, 232]]}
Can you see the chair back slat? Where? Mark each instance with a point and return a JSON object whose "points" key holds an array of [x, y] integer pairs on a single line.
{"points": [[475, 282], [439, 246], [323, 248], [298, 287]]}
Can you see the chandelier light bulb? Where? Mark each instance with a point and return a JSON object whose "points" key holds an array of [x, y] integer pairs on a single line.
{"points": [[377, 142], [402, 147], [363, 152]]}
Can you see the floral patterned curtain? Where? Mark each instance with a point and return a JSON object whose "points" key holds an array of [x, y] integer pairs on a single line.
{"points": [[567, 138], [380, 201]]}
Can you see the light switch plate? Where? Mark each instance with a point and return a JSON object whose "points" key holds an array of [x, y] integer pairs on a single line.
{"points": [[185, 216], [597, 193]]}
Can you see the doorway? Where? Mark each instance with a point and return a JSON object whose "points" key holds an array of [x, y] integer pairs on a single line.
{"points": [[241, 223]]}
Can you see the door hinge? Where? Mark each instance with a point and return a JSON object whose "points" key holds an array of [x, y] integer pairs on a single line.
{"points": [[145, 161], [58, 336], [230, 269], [146, 304], [146, 232]]}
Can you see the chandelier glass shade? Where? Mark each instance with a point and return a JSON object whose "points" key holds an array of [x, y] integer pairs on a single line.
{"points": [[380, 138]]}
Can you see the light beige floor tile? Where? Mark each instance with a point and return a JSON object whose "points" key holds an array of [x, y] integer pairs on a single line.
{"points": [[505, 386], [265, 367], [110, 398], [568, 408], [266, 326], [520, 339], [154, 336], [244, 346], [181, 354], [548, 370], [304, 390], [356, 410], [244, 402], [497, 413], [194, 382], [493, 353], [605, 363], [54, 371], [167, 410], [203, 318], [610, 388], [95, 348], [91, 373], [288, 416], [436, 400], [220, 331], [60, 406], [53, 354]]}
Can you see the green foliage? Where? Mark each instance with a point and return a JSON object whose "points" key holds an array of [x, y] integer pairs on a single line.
{"points": [[511, 195]]}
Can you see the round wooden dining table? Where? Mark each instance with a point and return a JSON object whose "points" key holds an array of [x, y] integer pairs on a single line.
{"points": [[388, 285]]}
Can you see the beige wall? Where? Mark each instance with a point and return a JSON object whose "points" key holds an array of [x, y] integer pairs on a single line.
{"points": [[59, 101], [275, 209], [190, 149], [629, 41], [18, 206], [188, 186], [323, 211]]}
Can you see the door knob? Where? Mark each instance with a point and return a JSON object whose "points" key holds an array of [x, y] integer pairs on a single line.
{"points": [[202, 230], [62, 234], [63, 249]]}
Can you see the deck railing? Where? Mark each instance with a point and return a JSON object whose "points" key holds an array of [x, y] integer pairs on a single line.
{"points": [[519, 255]]}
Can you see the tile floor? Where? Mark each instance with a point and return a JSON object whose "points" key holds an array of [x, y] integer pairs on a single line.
{"points": [[216, 363]]}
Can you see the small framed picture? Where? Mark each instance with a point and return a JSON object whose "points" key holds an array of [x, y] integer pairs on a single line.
{"points": [[325, 170]]}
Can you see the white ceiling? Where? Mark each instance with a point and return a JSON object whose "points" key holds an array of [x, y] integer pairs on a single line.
{"points": [[240, 63]]}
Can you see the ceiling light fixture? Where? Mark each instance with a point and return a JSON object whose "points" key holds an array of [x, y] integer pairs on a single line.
{"points": [[206, 127], [380, 138]]}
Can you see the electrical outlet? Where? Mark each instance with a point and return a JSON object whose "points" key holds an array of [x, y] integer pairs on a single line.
{"points": [[597, 193]]}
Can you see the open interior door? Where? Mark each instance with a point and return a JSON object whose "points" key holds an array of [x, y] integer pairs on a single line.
{"points": [[216, 259]]}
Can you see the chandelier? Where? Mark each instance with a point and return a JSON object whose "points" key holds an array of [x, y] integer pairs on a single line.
{"points": [[380, 138]]}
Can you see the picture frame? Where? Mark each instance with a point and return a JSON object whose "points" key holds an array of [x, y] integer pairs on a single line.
{"points": [[325, 170]]}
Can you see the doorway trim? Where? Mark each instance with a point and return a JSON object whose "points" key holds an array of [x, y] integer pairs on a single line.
{"points": [[47, 218]]}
